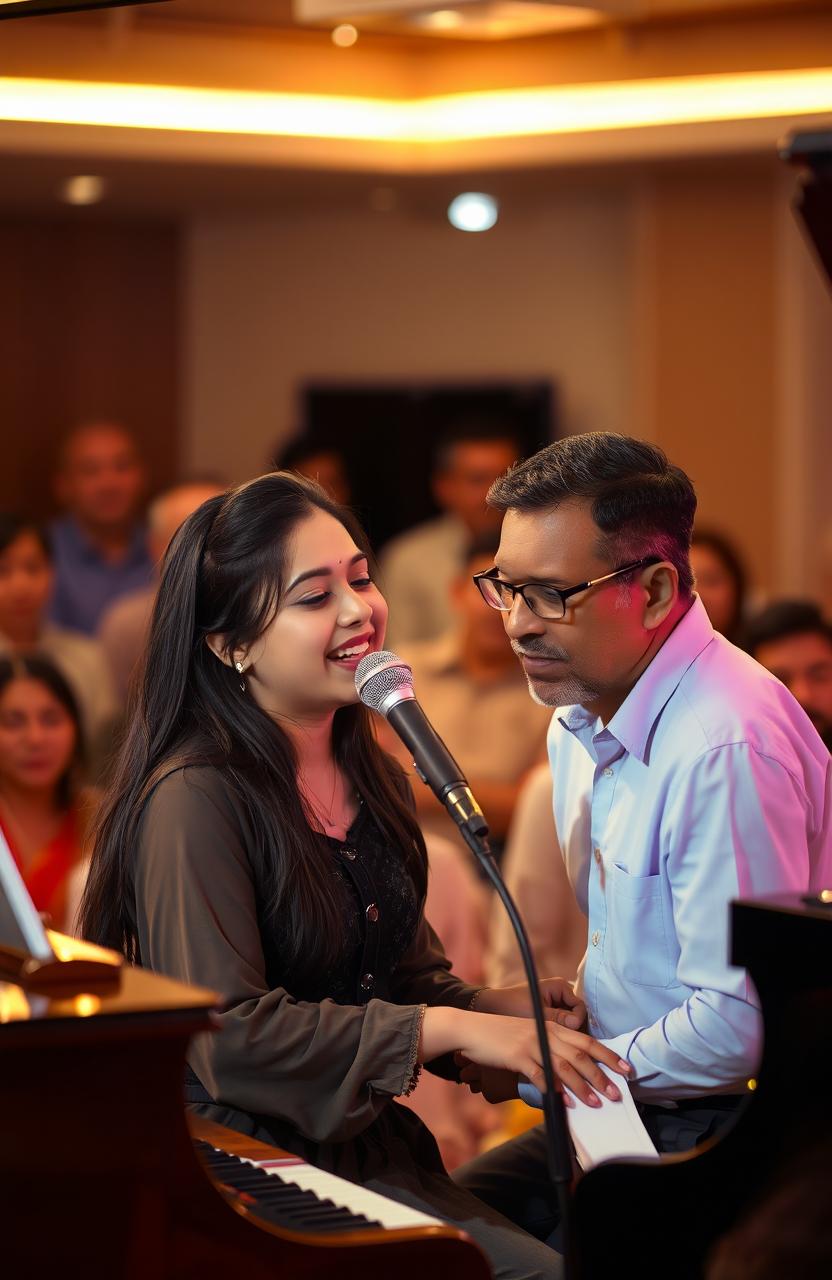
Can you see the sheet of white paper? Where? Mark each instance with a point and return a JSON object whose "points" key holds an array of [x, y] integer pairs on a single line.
{"points": [[601, 1133]]}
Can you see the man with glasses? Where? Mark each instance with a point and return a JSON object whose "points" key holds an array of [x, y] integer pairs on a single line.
{"points": [[684, 776]]}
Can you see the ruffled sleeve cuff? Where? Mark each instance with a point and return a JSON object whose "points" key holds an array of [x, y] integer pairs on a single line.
{"points": [[414, 1065]]}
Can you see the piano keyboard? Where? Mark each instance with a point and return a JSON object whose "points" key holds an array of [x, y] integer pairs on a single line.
{"points": [[300, 1197]]}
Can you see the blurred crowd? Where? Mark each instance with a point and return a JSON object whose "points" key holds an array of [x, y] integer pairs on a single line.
{"points": [[75, 603]]}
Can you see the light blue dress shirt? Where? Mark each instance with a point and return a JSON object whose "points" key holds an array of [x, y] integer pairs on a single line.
{"points": [[709, 783], [86, 583]]}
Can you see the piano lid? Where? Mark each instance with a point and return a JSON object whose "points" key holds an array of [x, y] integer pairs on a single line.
{"points": [[811, 151]]}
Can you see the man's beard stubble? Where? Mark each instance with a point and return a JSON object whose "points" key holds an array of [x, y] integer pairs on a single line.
{"points": [[570, 691]]}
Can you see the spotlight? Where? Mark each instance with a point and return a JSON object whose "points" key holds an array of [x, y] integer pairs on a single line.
{"points": [[344, 36], [473, 211], [84, 188]]}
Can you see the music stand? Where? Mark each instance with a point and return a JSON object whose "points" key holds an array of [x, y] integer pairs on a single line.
{"points": [[41, 960]]}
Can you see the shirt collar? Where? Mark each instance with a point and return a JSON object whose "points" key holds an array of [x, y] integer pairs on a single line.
{"points": [[633, 722]]}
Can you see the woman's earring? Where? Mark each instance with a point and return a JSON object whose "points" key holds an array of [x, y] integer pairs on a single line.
{"points": [[240, 668]]}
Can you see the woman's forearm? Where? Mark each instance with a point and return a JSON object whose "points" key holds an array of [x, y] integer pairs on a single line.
{"points": [[441, 1032]]}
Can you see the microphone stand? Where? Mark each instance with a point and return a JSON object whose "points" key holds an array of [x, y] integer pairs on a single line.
{"points": [[385, 684], [558, 1143]]}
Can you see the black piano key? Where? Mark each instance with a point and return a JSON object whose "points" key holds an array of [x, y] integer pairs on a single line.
{"points": [[284, 1203]]}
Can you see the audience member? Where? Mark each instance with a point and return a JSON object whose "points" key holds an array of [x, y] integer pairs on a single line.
{"points": [[99, 545], [476, 695], [793, 640], [26, 577], [721, 581], [124, 625], [44, 814], [535, 873], [418, 567], [317, 462]]}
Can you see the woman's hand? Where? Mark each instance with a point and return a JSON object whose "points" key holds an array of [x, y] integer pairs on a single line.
{"points": [[560, 1004], [511, 1043]]}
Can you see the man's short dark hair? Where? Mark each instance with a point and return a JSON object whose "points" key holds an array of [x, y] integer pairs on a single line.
{"points": [[641, 503], [785, 618]]}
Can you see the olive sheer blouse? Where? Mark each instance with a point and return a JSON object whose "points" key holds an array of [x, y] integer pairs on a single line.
{"points": [[313, 1066]]}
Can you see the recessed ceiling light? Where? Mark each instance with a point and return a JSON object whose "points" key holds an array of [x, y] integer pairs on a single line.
{"points": [[344, 35], [473, 211], [84, 188]]}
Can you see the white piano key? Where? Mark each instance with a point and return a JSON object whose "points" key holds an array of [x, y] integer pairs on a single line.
{"points": [[348, 1195]]}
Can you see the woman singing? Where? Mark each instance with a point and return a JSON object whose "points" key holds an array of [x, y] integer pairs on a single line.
{"points": [[257, 840]]}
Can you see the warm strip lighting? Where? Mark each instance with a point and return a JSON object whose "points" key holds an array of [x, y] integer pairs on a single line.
{"points": [[508, 113]]}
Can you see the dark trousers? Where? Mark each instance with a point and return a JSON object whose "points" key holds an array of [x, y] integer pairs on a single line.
{"points": [[513, 1179]]}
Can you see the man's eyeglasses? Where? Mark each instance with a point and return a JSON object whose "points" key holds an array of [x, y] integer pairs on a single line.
{"points": [[542, 598]]}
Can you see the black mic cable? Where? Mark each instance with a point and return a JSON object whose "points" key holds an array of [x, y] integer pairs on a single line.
{"points": [[385, 684]]}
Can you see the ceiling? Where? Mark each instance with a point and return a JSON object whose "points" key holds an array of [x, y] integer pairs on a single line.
{"points": [[278, 15], [254, 44]]}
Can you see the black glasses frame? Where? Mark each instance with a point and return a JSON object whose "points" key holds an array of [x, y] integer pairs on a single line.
{"points": [[519, 588]]}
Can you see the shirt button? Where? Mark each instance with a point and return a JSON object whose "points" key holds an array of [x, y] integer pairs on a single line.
{"points": [[596, 937], [367, 982], [372, 913], [608, 772], [597, 855], [349, 853]]}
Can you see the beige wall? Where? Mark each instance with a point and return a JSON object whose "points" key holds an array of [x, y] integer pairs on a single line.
{"points": [[715, 367], [662, 304], [354, 295]]}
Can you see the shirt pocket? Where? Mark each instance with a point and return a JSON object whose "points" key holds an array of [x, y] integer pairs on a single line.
{"points": [[637, 944]]}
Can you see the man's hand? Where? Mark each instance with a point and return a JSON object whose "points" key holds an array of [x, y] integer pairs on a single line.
{"points": [[560, 1004], [494, 1085]]}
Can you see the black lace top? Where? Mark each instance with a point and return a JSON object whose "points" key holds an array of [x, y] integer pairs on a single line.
{"points": [[381, 909]]}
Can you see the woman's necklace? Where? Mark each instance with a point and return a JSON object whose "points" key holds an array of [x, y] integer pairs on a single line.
{"points": [[325, 813]]}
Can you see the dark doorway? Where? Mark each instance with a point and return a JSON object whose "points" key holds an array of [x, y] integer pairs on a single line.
{"points": [[388, 434]]}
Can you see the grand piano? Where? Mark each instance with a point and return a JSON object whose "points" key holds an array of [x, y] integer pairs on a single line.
{"points": [[101, 1176]]}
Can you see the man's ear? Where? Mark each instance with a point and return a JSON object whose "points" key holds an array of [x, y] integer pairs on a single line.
{"points": [[216, 642], [661, 584]]}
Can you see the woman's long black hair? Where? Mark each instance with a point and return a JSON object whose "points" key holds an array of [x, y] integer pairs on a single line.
{"points": [[223, 574]]}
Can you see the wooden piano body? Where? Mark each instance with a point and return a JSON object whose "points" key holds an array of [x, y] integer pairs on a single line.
{"points": [[664, 1216], [99, 1176]]}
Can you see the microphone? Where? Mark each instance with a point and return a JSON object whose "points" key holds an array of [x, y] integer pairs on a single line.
{"points": [[385, 684]]}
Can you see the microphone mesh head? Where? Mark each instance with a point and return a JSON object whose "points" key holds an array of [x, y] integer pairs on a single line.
{"points": [[379, 674]]}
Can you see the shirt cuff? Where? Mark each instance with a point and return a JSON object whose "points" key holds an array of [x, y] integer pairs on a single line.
{"points": [[622, 1047], [530, 1094]]}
